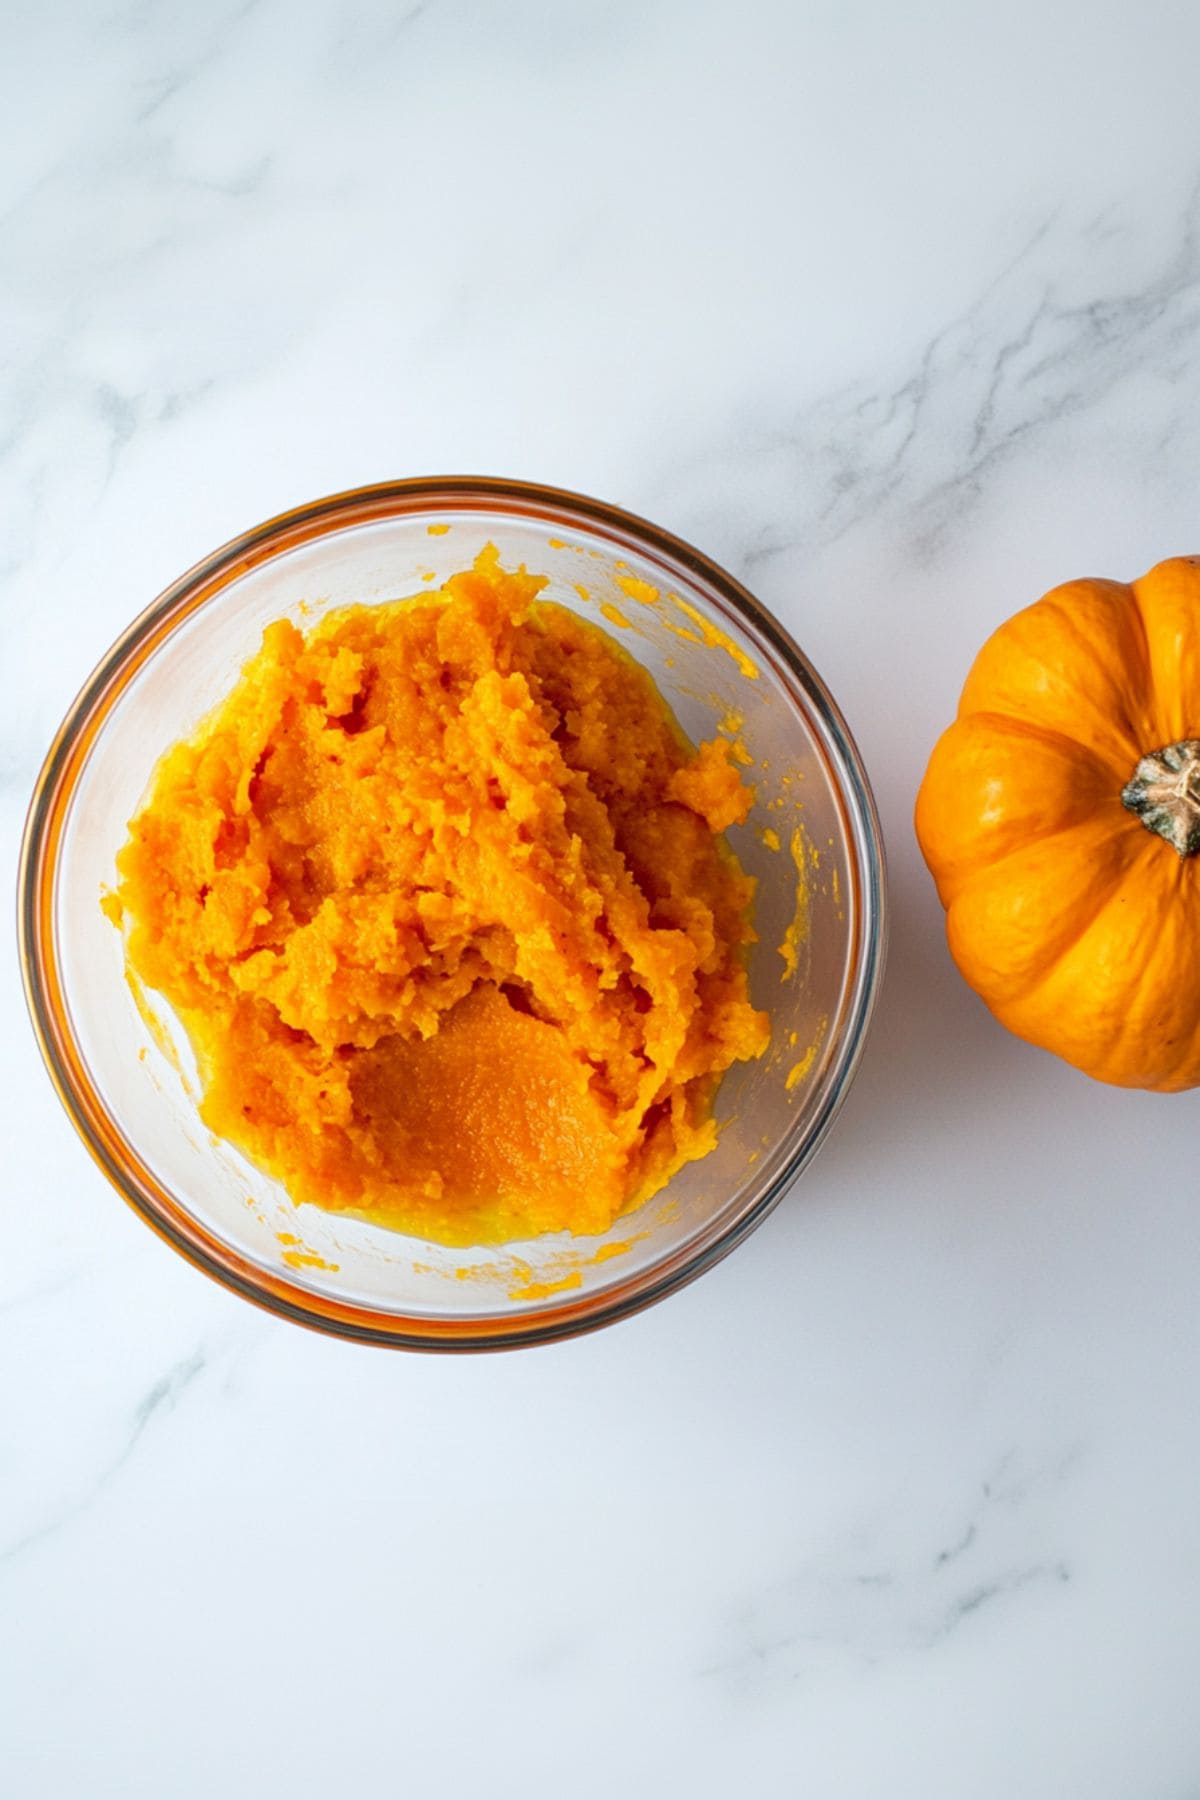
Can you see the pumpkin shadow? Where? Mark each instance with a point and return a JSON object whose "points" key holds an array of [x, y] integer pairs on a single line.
{"points": [[934, 1057]]}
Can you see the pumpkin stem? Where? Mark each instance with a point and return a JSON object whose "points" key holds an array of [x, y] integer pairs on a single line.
{"points": [[1164, 793]]}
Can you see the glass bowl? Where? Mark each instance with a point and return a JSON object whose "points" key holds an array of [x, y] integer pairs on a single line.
{"points": [[122, 1065]]}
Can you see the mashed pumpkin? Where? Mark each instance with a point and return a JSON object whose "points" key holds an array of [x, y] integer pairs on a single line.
{"points": [[440, 896]]}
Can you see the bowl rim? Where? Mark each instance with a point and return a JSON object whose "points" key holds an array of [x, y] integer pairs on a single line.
{"points": [[46, 999]]}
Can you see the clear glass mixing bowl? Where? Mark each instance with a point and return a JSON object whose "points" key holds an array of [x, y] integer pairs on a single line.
{"points": [[125, 1073]]}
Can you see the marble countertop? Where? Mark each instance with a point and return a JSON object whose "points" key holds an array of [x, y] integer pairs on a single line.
{"points": [[896, 312]]}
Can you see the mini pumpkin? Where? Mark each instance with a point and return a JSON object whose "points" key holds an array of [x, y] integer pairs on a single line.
{"points": [[1060, 818]]}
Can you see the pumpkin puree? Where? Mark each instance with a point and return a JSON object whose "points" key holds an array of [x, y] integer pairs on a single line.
{"points": [[440, 896]]}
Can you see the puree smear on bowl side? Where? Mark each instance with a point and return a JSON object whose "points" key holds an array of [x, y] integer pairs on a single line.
{"points": [[440, 895]]}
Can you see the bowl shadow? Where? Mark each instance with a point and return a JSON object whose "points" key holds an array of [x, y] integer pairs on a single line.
{"points": [[935, 1056]]}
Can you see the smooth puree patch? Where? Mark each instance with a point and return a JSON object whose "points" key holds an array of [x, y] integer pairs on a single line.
{"points": [[441, 897]]}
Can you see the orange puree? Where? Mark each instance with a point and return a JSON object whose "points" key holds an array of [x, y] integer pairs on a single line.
{"points": [[440, 897]]}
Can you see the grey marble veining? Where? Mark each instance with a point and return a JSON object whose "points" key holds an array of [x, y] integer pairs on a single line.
{"points": [[898, 314]]}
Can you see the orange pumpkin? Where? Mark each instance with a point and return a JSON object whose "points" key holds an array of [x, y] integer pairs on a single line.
{"points": [[1060, 818]]}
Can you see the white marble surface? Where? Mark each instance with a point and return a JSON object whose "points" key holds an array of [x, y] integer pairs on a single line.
{"points": [[896, 310]]}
